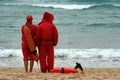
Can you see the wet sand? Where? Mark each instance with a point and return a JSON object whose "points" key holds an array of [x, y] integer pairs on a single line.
{"points": [[90, 74]]}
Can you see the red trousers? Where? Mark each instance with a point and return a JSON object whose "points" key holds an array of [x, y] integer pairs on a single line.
{"points": [[46, 58], [26, 54]]}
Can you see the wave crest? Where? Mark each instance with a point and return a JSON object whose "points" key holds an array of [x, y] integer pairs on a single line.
{"points": [[57, 6], [66, 6], [69, 53], [104, 6]]}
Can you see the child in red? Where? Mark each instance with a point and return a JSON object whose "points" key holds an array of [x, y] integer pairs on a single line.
{"points": [[25, 48], [47, 38]]}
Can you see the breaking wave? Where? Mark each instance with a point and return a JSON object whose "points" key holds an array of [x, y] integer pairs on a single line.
{"points": [[68, 53], [65, 6]]}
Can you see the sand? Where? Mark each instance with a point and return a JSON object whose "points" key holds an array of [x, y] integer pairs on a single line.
{"points": [[90, 74]]}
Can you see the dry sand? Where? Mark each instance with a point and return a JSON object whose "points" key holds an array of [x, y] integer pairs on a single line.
{"points": [[90, 74]]}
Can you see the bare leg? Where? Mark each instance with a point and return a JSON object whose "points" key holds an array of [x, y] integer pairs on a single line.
{"points": [[31, 65], [26, 65]]}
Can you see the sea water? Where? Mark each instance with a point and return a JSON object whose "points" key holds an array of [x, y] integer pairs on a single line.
{"points": [[89, 31]]}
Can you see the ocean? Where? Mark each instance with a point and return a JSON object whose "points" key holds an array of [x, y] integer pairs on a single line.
{"points": [[89, 31]]}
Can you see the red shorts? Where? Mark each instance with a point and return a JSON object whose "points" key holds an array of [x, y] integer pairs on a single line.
{"points": [[27, 54]]}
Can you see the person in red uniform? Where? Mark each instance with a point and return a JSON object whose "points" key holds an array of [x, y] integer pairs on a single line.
{"points": [[47, 38], [27, 55]]}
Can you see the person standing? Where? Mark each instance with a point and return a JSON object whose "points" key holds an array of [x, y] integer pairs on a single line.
{"points": [[47, 38], [27, 55]]}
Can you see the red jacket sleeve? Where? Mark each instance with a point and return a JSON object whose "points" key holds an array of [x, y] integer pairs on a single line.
{"points": [[38, 36], [55, 36]]}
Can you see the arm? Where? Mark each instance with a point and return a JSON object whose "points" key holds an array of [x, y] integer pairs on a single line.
{"points": [[38, 33], [55, 36]]}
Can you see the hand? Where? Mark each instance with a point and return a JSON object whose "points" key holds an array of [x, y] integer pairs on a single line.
{"points": [[34, 52]]}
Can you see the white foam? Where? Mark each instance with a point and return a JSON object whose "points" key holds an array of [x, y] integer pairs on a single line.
{"points": [[88, 53], [63, 6], [10, 52], [68, 57], [70, 53]]}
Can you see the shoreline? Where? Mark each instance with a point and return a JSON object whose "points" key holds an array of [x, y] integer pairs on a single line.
{"points": [[90, 74]]}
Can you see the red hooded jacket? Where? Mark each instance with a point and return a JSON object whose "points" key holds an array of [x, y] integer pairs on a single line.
{"points": [[47, 31]]}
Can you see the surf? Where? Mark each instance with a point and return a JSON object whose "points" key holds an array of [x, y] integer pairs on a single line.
{"points": [[103, 6], [65, 6], [54, 6], [70, 53]]}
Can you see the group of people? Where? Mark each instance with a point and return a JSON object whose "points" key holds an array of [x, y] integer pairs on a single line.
{"points": [[45, 37]]}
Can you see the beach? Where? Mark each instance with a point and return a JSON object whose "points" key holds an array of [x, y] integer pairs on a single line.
{"points": [[90, 74]]}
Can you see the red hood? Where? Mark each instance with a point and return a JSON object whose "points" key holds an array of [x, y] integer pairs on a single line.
{"points": [[47, 17]]}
